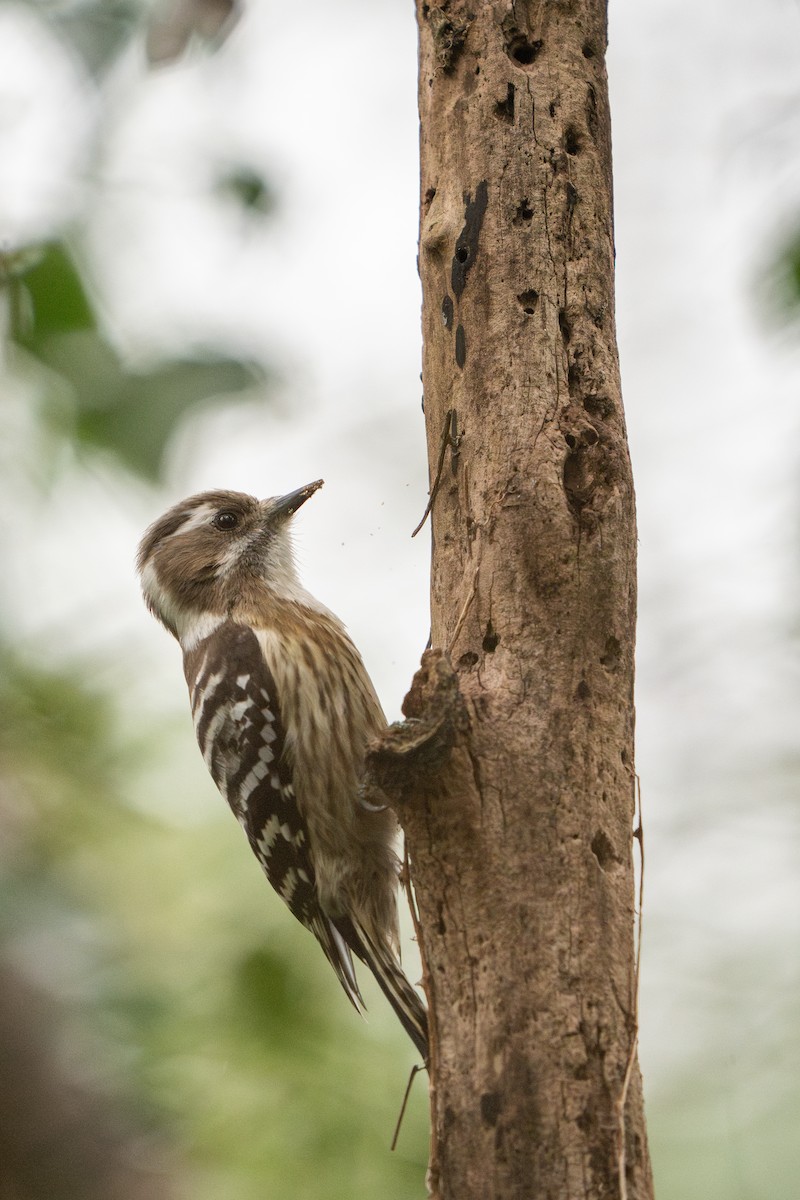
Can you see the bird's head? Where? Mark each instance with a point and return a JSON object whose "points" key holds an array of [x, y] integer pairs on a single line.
{"points": [[208, 552]]}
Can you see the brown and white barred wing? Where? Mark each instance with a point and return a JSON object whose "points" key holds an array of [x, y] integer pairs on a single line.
{"points": [[330, 714], [240, 732]]}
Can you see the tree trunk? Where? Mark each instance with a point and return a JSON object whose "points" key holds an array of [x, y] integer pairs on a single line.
{"points": [[521, 845]]}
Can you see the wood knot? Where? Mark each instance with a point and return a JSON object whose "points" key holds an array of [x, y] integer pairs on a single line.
{"points": [[420, 745]]}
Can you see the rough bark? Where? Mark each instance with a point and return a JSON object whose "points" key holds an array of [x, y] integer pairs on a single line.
{"points": [[516, 787]]}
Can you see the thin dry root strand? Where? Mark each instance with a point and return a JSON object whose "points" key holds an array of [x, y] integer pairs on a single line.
{"points": [[449, 438], [414, 1072], [462, 616]]}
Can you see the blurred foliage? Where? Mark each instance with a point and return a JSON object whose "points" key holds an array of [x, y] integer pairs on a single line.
{"points": [[176, 23], [90, 396], [187, 993], [99, 30], [705, 1141], [248, 189], [206, 1018], [96, 30], [782, 279], [49, 295], [168, 1028]]}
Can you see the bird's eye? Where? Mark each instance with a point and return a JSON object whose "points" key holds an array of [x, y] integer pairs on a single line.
{"points": [[225, 520]]}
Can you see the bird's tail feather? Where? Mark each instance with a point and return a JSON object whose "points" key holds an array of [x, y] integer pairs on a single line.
{"points": [[337, 939], [401, 994], [338, 955]]}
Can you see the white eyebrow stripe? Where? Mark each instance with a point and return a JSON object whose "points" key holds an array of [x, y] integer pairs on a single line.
{"points": [[199, 516]]}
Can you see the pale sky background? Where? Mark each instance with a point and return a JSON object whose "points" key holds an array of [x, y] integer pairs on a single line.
{"points": [[322, 97]]}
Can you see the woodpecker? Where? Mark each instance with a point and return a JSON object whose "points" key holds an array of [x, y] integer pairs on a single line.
{"points": [[283, 709]]}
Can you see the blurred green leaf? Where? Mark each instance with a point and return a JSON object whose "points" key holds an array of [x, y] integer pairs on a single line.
{"points": [[59, 300], [94, 398], [791, 272], [95, 30], [133, 414], [272, 998], [190, 992], [53, 721], [780, 284], [248, 188]]}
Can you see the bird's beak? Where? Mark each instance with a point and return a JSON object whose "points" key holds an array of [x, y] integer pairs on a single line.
{"points": [[286, 505]]}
